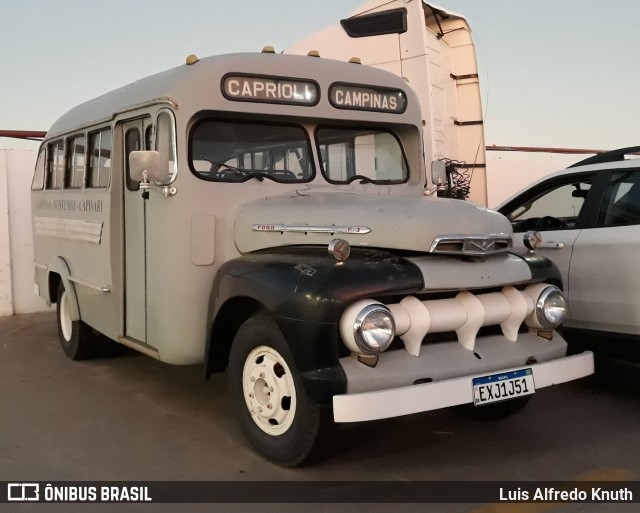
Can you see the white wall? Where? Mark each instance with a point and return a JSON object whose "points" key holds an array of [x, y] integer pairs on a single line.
{"points": [[17, 292], [6, 291]]}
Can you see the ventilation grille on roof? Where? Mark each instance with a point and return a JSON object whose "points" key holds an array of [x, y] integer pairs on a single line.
{"points": [[376, 24]]}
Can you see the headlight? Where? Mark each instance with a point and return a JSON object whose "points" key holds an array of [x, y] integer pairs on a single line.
{"points": [[374, 329], [551, 307], [367, 327]]}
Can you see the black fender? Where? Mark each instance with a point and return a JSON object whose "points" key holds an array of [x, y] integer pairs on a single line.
{"points": [[542, 269], [306, 290]]}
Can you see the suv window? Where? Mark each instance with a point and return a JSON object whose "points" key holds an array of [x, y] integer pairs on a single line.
{"points": [[236, 151], [559, 205], [622, 200]]}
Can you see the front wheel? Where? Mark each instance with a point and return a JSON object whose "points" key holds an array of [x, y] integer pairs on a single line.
{"points": [[269, 400], [78, 340]]}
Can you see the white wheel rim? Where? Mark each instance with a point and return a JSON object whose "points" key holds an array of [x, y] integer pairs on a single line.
{"points": [[269, 390], [66, 324]]}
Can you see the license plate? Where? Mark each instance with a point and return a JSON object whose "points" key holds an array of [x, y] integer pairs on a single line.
{"points": [[500, 387]]}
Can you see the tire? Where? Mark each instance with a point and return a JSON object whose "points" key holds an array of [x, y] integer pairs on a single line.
{"points": [[494, 411], [78, 341], [267, 395]]}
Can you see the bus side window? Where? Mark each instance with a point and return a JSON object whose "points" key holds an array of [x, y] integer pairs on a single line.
{"points": [[166, 141], [99, 170], [131, 143], [74, 173], [38, 177], [55, 165]]}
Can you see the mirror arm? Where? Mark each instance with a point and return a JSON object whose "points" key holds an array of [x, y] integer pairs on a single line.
{"points": [[146, 185]]}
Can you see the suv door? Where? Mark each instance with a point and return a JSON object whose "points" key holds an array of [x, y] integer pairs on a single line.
{"points": [[603, 278], [557, 208]]}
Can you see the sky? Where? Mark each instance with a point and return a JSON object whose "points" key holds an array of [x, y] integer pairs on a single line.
{"points": [[553, 73]]}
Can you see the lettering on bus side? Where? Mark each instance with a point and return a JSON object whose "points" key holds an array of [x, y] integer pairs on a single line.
{"points": [[264, 89], [67, 205], [375, 99]]}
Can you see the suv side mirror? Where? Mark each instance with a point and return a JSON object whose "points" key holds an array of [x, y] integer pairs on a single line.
{"points": [[157, 171]]}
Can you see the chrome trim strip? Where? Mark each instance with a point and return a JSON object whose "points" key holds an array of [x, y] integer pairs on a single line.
{"points": [[90, 284], [473, 245], [301, 228]]}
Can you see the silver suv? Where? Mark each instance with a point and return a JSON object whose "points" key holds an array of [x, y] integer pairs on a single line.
{"points": [[589, 219]]}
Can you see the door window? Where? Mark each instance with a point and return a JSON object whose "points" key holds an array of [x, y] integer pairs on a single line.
{"points": [[131, 143], [554, 207], [622, 200], [166, 142]]}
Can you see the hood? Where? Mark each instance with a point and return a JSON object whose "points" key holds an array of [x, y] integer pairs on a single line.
{"points": [[411, 223]]}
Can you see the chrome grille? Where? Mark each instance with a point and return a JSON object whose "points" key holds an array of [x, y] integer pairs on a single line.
{"points": [[471, 245]]}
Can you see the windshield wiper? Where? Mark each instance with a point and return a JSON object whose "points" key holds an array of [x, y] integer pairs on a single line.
{"points": [[242, 172], [362, 178], [367, 179]]}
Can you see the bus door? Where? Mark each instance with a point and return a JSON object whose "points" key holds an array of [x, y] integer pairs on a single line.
{"points": [[138, 135]]}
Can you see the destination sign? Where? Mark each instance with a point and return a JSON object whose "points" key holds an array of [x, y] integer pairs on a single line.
{"points": [[263, 89], [353, 97]]}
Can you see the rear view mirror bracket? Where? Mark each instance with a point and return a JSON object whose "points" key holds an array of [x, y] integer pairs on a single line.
{"points": [[148, 169]]}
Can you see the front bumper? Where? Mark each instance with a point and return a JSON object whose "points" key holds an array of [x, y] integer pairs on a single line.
{"points": [[405, 400]]}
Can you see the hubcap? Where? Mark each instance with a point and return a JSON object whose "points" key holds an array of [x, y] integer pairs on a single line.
{"points": [[269, 390], [66, 324]]}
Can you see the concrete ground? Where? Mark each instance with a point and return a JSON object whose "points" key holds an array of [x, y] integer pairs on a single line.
{"points": [[134, 418]]}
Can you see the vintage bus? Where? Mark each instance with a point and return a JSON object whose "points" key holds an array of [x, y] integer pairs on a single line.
{"points": [[270, 215]]}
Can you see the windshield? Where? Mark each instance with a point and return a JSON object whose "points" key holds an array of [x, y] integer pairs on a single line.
{"points": [[365, 154], [236, 151]]}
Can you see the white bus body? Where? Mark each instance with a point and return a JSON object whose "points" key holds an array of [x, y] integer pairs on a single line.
{"points": [[433, 50]]}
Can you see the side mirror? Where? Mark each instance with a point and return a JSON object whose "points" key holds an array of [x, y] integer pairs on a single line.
{"points": [[157, 170], [438, 172]]}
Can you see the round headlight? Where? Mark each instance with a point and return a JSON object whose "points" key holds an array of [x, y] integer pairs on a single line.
{"points": [[551, 307], [374, 329]]}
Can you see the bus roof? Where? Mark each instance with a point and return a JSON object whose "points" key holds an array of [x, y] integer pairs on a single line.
{"points": [[196, 87]]}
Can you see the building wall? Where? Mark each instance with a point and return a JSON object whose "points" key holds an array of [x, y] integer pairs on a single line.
{"points": [[17, 292]]}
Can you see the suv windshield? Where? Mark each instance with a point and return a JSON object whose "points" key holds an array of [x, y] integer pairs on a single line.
{"points": [[365, 154], [236, 151]]}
